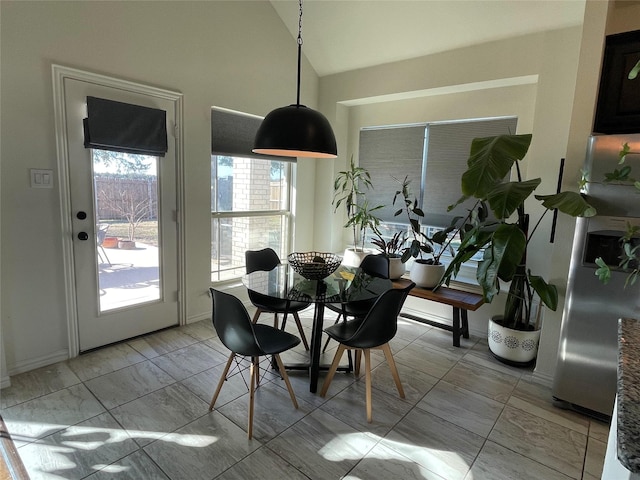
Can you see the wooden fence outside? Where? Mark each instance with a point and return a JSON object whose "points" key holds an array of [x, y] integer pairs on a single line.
{"points": [[118, 196]]}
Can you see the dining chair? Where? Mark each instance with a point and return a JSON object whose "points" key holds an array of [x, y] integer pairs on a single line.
{"points": [[265, 260], [373, 331], [374, 265], [239, 334]]}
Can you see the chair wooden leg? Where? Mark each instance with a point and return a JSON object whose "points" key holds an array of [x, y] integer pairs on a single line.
{"points": [[367, 368], [300, 330], [392, 365], [256, 315], [285, 377], [332, 369], [222, 380], [252, 391], [275, 321]]}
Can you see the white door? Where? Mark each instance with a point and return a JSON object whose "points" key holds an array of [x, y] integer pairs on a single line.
{"points": [[124, 226]]}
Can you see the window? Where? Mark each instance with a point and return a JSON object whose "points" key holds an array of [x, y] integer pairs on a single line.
{"points": [[250, 207], [434, 156]]}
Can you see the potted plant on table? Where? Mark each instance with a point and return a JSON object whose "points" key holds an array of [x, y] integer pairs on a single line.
{"points": [[504, 240], [392, 249], [348, 190], [425, 272]]}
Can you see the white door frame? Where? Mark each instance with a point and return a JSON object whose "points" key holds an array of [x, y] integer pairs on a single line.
{"points": [[60, 73]]}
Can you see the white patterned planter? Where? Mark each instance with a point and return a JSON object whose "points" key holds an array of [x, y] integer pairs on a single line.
{"points": [[513, 346]]}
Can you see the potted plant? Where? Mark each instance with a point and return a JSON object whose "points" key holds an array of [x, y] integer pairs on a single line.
{"points": [[504, 241], [348, 191], [425, 272], [392, 249]]}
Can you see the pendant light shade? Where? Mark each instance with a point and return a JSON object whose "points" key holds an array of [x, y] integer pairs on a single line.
{"points": [[296, 130]]}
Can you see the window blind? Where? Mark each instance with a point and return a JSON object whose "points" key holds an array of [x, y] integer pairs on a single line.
{"points": [[233, 133], [389, 154], [447, 150], [122, 127], [433, 155]]}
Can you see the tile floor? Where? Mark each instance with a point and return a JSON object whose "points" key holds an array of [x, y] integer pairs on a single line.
{"points": [[139, 410]]}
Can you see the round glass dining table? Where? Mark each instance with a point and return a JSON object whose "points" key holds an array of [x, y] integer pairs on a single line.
{"points": [[346, 284]]}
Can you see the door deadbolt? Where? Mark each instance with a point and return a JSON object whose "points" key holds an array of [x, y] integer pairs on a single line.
{"points": [[83, 236], [81, 215]]}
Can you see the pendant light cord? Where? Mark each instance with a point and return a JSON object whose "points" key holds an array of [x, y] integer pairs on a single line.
{"points": [[299, 53]]}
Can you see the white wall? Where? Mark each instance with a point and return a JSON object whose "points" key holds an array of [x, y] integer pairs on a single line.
{"points": [[236, 55]]}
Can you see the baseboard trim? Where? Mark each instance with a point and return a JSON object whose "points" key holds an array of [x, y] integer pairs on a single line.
{"points": [[5, 381], [33, 363], [199, 317]]}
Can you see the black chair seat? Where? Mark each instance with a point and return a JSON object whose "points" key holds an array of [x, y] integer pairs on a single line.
{"points": [[353, 309], [270, 304], [343, 331], [274, 341]]}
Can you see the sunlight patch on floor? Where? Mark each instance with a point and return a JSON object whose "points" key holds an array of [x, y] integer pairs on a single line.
{"points": [[420, 456]]}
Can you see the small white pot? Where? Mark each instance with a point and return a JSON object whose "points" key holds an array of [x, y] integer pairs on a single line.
{"points": [[396, 268], [352, 257], [518, 347], [426, 275]]}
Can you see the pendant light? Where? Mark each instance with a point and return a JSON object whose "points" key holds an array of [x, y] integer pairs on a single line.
{"points": [[296, 130]]}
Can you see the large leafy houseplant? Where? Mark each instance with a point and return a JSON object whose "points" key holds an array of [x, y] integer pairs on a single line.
{"points": [[349, 190], [504, 239]]}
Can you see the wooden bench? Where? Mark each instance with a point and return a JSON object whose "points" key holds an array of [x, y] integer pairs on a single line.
{"points": [[461, 300]]}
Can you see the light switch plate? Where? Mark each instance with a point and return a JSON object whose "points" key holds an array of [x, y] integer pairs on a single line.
{"points": [[41, 178]]}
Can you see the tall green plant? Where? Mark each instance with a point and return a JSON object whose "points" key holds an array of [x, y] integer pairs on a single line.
{"points": [[348, 187], [504, 240]]}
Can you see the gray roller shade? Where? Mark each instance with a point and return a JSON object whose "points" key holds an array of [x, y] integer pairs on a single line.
{"points": [[433, 155], [448, 146], [233, 133], [389, 154], [122, 127]]}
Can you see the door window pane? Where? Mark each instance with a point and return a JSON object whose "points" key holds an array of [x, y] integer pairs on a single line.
{"points": [[126, 206]]}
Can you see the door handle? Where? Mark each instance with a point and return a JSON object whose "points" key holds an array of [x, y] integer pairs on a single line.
{"points": [[83, 236]]}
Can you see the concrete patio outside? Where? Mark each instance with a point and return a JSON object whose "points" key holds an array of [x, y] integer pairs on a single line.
{"points": [[128, 277]]}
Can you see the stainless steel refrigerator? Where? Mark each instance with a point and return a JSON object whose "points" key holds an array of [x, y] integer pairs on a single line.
{"points": [[585, 377]]}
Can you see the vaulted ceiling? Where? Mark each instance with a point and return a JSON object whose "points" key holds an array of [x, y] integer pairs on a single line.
{"points": [[342, 35]]}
